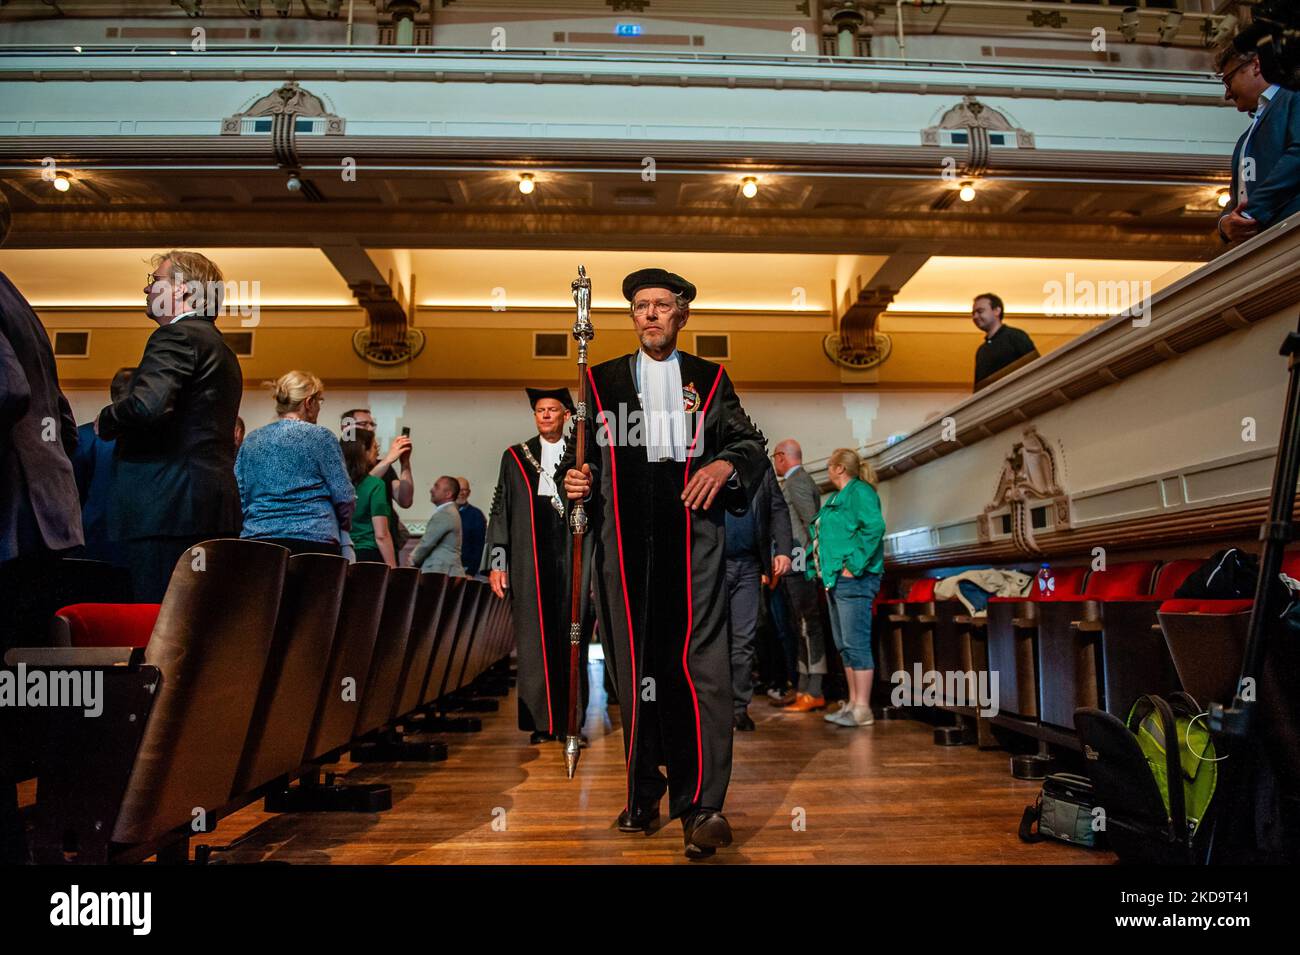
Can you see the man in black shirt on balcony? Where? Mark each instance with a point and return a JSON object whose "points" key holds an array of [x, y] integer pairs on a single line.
{"points": [[1002, 343]]}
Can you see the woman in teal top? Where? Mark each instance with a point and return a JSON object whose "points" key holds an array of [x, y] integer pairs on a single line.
{"points": [[371, 521], [848, 557]]}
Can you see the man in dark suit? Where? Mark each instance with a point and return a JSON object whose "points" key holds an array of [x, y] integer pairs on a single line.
{"points": [[92, 464], [174, 480], [39, 511], [473, 528], [758, 547], [40, 517], [1266, 160]]}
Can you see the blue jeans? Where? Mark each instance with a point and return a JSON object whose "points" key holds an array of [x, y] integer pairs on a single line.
{"points": [[850, 605]]}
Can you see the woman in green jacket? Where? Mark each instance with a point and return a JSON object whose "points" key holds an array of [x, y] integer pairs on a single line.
{"points": [[848, 557]]}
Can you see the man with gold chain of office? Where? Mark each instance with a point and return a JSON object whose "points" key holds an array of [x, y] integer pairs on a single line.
{"points": [[528, 551]]}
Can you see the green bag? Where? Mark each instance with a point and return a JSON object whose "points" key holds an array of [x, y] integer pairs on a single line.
{"points": [[1149, 720]]}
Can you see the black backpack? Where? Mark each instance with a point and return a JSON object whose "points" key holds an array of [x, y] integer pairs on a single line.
{"points": [[1228, 575]]}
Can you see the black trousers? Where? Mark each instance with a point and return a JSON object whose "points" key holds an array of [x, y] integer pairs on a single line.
{"points": [[151, 561]]}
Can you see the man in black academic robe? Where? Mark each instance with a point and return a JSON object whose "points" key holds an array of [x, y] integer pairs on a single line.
{"points": [[661, 609], [528, 548]]}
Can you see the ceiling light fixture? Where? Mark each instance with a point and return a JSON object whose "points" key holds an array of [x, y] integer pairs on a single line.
{"points": [[527, 184], [294, 184], [967, 192], [62, 181], [749, 187], [1223, 198], [1129, 21]]}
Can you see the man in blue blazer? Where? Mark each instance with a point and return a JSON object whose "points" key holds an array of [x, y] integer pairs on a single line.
{"points": [[1266, 161]]}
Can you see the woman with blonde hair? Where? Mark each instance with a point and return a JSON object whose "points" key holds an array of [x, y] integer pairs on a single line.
{"points": [[293, 485], [848, 557]]}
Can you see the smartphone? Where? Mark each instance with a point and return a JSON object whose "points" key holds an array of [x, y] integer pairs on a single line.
{"points": [[406, 432]]}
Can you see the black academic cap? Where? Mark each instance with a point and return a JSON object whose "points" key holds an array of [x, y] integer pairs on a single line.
{"points": [[657, 278], [559, 394]]}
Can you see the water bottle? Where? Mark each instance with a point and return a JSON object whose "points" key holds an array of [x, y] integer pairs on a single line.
{"points": [[1046, 581]]}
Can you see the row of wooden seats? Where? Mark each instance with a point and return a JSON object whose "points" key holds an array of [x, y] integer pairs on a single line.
{"points": [[1102, 639], [257, 668]]}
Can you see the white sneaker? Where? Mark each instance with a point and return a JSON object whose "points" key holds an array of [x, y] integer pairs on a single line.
{"points": [[832, 716], [845, 717], [866, 720]]}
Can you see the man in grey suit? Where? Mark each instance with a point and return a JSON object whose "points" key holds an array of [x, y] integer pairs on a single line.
{"points": [[439, 549], [800, 599], [1266, 160]]}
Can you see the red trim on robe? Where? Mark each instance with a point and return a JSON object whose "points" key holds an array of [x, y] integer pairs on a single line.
{"points": [[622, 575], [541, 613], [690, 605]]}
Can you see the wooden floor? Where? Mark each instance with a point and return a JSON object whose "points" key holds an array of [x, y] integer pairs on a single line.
{"points": [[878, 794]]}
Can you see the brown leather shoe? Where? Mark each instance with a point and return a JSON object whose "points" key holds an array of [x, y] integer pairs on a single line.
{"points": [[785, 699], [806, 704]]}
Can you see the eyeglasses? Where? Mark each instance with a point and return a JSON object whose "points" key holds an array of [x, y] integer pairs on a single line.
{"points": [[662, 309], [1227, 77]]}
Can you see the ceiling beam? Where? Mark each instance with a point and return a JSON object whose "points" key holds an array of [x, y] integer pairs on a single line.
{"points": [[1187, 239]]}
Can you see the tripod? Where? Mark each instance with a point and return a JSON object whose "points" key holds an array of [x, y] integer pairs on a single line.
{"points": [[1259, 750]]}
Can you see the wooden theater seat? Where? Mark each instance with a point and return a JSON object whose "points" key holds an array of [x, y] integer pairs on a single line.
{"points": [[382, 684], [144, 777], [1069, 640], [476, 595], [445, 644], [1207, 640], [1135, 657], [344, 688], [296, 668], [1013, 644], [916, 624], [429, 604]]}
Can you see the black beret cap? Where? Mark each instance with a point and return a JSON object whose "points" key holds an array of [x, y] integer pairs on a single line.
{"points": [[657, 278], [559, 394]]}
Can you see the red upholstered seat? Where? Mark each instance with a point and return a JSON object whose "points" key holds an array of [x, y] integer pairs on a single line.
{"points": [[1291, 565], [1172, 575], [1197, 605], [1130, 579], [109, 625], [922, 591]]}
